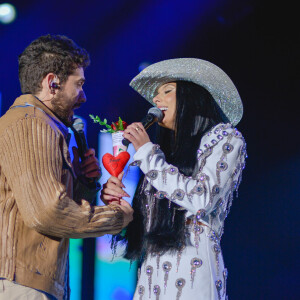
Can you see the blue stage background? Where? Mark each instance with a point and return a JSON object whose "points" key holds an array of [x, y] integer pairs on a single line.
{"points": [[256, 43]]}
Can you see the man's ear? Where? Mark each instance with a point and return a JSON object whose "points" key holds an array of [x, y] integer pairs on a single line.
{"points": [[53, 81], [50, 83], [46, 81]]}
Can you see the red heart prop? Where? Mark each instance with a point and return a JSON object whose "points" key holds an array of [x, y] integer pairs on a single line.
{"points": [[115, 164]]}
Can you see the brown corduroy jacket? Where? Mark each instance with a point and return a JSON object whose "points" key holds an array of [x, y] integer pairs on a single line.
{"points": [[38, 210]]}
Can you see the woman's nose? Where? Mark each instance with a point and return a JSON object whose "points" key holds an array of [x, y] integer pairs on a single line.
{"points": [[156, 99]]}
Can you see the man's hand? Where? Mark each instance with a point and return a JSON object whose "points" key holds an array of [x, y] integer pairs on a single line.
{"points": [[89, 167]]}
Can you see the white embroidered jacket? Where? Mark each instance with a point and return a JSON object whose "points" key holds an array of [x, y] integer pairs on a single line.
{"points": [[208, 195]]}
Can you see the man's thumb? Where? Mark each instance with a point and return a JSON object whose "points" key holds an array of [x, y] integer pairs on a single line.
{"points": [[75, 154]]}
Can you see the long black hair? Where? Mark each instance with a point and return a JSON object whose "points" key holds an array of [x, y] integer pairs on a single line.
{"points": [[196, 113]]}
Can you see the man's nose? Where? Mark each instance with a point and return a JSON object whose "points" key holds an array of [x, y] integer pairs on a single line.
{"points": [[82, 97]]}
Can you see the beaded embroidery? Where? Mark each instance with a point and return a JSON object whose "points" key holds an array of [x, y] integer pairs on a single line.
{"points": [[141, 291], [156, 291], [160, 195], [198, 189], [152, 175], [180, 283], [154, 150], [218, 193], [157, 261], [217, 250], [198, 229], [172, 170], [219, 288], [136, 163], [178, 195], [225, 276], [149, 272], [195, 263], [166, 266], [179, 253]]}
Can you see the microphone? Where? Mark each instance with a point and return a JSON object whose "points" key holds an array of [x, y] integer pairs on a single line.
{"points": [[79, 135], [78, 130], [154, 115]]}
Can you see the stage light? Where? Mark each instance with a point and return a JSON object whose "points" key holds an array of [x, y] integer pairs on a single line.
{"points": [[143, 65], [7, 13]]}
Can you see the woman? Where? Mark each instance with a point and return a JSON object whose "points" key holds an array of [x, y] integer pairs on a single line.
{"points": [[189, 179]]}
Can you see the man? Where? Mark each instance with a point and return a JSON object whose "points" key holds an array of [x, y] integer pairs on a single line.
{"points": [[41, 202]]}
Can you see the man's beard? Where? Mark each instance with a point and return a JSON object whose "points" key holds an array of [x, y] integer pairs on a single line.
{"points": [[62, 108]]}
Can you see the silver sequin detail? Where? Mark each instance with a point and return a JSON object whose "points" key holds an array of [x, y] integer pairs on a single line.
{"points": [[222, 166], [157, 262], [160, 195], [178, 195], [180, 283], [198, 229], [220, 202], [207, 152], [217, 250], [200, 214], [215, 190], [172, 170], [227, 148], [179, 253], [149, 272], [154, 150], [214, 237], [141, 291], [225, 133], [198, 189], [166, 266], [237, 134], [156, 291], [152, 174], [219, 288], [195, 263], [225, 276], [136, 163], [200, 152], [202, 177]]}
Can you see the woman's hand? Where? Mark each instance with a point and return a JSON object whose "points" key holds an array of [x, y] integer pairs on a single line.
{"points": [[113, 190], [128, 212], [137, 135]]}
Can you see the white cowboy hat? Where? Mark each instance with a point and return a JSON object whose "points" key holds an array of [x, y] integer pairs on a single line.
{"points": [[196, 70]]}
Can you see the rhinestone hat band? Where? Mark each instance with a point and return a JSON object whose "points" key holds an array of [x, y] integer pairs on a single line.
{"points": [[196, 70]]}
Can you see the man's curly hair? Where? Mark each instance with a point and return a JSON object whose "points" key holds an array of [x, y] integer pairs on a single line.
{"points": [[49, 54]]}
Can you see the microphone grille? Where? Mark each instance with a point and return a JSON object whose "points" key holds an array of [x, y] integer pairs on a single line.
{"points": [[156, 112], [78, 124]]}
